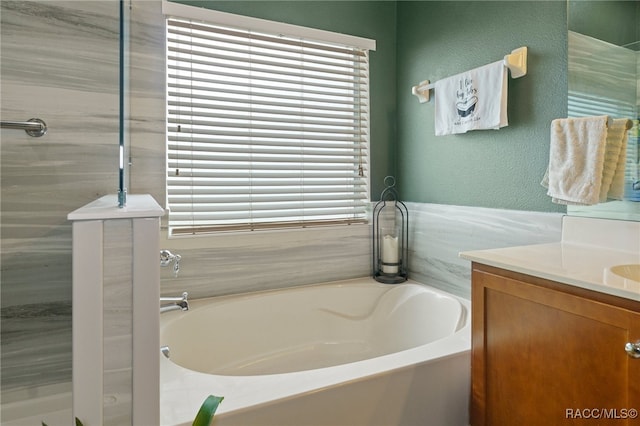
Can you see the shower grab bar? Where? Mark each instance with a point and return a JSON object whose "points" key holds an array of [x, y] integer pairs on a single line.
{"points": [[33, 126]]}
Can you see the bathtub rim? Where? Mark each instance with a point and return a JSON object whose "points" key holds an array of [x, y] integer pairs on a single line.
{"points": [[183, 390]]}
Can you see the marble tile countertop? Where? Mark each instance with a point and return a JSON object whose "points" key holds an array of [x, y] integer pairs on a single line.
{"points": [[588, 249]]}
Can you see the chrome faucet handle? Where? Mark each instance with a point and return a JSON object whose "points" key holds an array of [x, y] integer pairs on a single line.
{"points": [[166, 257], [176, 265]]}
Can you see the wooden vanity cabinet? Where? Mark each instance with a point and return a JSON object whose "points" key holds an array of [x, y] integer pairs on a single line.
{"points": [[546, 353]]}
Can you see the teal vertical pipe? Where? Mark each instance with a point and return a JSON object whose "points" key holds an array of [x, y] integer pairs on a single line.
{"points": [[122, 192]]}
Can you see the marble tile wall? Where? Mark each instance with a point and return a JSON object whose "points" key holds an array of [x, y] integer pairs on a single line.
{"points": [[147, 86], [60, 64], [438, 233], [235, 263]]}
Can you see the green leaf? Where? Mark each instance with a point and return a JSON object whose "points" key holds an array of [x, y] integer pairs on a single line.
{"points": [[207, 410]]}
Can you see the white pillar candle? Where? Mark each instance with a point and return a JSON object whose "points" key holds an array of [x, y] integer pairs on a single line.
{"points": [[390, 254]]}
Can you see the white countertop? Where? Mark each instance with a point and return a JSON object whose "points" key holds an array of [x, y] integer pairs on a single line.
{"points": [[579, 265], [589, 248], [137, 206]]}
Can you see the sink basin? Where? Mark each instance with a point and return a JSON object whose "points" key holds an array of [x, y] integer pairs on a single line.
{"points": [[629, 272], [623, 276]]}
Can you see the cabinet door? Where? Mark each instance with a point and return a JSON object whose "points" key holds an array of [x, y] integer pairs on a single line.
{"points": [[546, 357]]}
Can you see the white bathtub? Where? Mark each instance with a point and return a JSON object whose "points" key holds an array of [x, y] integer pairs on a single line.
{"points": [[347, 353]]}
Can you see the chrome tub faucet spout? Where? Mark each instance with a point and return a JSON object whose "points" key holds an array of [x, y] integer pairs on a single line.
{"points": [[176, 303]]}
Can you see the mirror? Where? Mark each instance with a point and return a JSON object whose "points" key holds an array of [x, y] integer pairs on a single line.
{"points": [[603, 67]]}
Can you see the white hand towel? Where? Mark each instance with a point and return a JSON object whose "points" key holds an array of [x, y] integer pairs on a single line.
{"points": [[576, 159], [616, 191], [615, 158], [473, 100]]}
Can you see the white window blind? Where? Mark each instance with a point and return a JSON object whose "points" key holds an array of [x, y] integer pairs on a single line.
{"points": [[264, 130]]}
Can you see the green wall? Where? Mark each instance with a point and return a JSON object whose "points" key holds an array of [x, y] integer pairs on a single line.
{"points": [[370, 19], [616, 22], [488, 168]]}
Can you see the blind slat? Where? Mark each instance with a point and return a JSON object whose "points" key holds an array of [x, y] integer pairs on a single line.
{"points": [[265, 225], [257, 183], [266, 53], [208, 217], [226, 75], [317, 74], [295, 127], [262, 165], [251, 134], [273, 103], [218, 146], [262, 206], [239, 190], [277, 147], [272, 91], [246, 113], [240, 198]]}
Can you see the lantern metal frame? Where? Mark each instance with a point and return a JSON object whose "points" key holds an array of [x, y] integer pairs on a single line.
{"points": [[389, 199]]}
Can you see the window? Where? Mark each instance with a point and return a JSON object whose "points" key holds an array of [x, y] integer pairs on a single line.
{"points": [[265, 129]]}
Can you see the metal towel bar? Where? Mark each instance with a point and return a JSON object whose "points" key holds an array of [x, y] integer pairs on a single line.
{"points": [[33, 126], [516, 61]]}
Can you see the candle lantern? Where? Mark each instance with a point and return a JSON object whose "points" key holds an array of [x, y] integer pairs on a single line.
{"points": [[390, 236]]}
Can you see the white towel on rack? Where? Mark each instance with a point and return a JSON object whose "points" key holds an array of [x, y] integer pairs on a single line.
{"points": [[616, 142], [576, 160], [473, 100]]}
